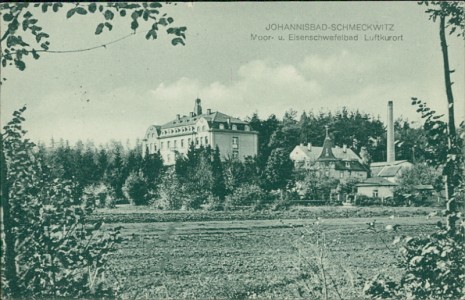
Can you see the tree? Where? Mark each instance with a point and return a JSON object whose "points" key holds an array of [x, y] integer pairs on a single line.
{"points": [[434, 266], [50, 246], [279, 170], [34, 40], [419, 174], [135, 189], [451, 14], [152, 167], [218, 186], [14, 47]]}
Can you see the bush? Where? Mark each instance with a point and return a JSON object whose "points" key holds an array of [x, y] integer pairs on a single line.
{"points": [[246, 195], [434, 269], [194, 199], [99, 195], [171, 192], [135, 189], [51, 249]]}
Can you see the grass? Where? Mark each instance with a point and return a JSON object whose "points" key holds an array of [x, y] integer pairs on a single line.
{"points": [[257, 258]]}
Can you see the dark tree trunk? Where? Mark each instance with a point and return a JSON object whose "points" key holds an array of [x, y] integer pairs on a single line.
{"points": [[9, 239], [450, 169]]}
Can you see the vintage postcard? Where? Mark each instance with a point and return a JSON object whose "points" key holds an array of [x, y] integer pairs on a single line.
{"points": [[232, 150]]}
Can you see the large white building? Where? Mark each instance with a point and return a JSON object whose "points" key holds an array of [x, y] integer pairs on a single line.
{"points": [[234, 137]]}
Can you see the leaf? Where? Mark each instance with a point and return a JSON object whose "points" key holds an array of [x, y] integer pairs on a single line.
{"points": [[81, 10], [155, 5], [34, 54], [20, 65], [7, 17], [99, 28], [170, 20], [41, 35], [92, 7], [122, 12], [177, 40], [109, 15], [56, 6], [134, 15], [27, 15], [134, 25], [108, 25], [70, 13]]}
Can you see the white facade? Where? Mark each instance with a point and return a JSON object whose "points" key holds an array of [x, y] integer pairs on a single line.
{"points": [[233, 137]]}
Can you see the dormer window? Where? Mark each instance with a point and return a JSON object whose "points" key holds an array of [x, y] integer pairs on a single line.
{"points": [[347, 164], [234, 127], [221, 126], [247, 128]]}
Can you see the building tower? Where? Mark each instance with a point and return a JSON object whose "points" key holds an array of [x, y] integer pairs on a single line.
{"points": [[197, 107]]}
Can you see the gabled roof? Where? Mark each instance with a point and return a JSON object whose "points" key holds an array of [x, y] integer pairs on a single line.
{"points": [[385, 169], [350, 166], [339, 153], [214, 117], [376, 181]]}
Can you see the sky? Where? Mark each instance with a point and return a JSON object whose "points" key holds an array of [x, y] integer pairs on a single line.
{"points": [[118, 91]]}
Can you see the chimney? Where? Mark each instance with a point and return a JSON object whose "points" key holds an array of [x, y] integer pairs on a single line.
{"points": [[309, 146], [209, 111], [391, 152], [197, 107], [192, 114], [178, 116], [344, 148]]}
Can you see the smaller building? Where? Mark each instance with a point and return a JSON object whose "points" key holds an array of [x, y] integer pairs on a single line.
{"points": [[376, 187], [389, 170], [339, 163]]}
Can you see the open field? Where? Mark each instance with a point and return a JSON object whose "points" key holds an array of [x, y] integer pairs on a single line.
{"points": [[275, 258]]}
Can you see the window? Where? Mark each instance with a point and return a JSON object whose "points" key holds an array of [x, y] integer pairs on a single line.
{"points": [[168, 157], [175, 144], [168, 144], [189, 141], [161, 145], [182, 143], [206, 140], [235, 142], [221, 126], [375, 193], [203, 128], [196, 141], [347, 164], [235, 153]]}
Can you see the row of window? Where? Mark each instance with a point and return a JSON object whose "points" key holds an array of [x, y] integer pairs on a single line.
{"points": [[193, 129], [182, 143]]}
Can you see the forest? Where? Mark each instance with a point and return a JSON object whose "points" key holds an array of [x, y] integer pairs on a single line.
{"points": [[118, 173]]}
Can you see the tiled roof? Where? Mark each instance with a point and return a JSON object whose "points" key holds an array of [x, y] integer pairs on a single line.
{"points": [[385, 169], [376, 181], [339, 153], [350, 166], [214, 117]]}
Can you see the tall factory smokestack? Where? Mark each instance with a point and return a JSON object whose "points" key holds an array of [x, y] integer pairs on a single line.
{"points": [[391, 151]]}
